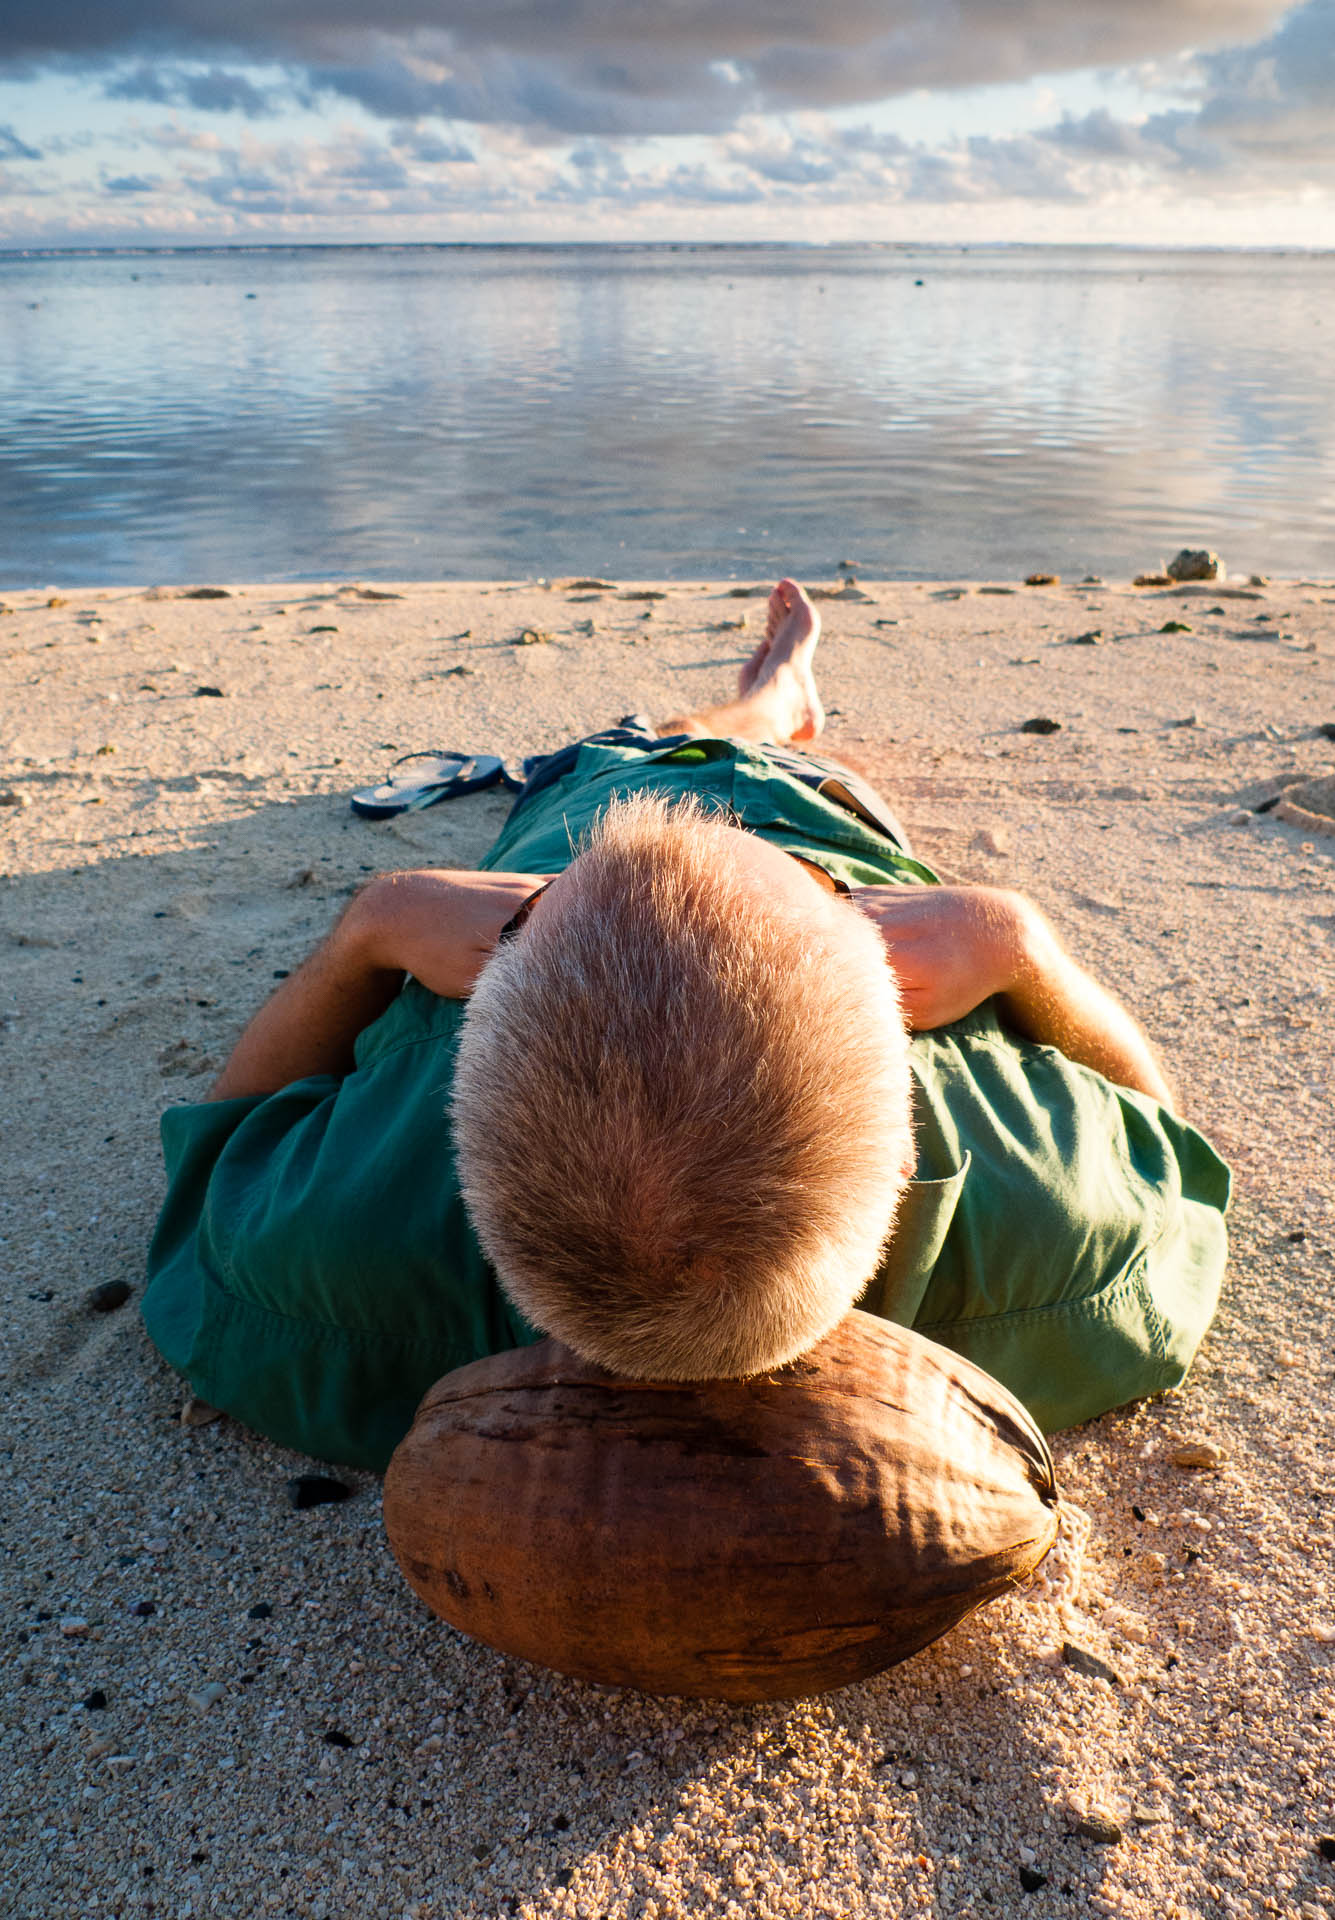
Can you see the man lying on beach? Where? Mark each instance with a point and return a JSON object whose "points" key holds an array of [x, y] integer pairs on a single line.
{"points": [[702, 1057]]}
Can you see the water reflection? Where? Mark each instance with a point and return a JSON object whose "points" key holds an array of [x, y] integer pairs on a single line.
{"points": [[470, 412]]}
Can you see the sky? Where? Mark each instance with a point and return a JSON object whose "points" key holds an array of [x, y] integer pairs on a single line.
{"points": [[189, 122]]}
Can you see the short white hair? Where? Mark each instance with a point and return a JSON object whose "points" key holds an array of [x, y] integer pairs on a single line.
{"points": [[682, 1106]]}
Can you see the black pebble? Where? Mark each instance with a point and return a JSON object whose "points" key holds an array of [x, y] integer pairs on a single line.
{"points": [[260, 1611], [1031, 1879], [208, 693], [110, 1295], [560, 1824], [315, 1490], [1089, 1664], [95, 1701], [336, 1739], [1297, 1237], [563, 1876], [1041, 724], [1139, 1512], [142, 1609], [1327, 729], [1268, 806], [1325, 1846], [43, 1294]]}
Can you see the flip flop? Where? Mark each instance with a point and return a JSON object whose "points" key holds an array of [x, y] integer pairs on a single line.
{"points": [[418, 780]]}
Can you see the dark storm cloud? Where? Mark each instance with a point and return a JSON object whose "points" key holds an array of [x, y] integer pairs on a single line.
{"points": [[619, 66]]}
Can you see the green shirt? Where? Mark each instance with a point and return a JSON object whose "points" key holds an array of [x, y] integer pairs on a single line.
{"points": [[314, 1270]]}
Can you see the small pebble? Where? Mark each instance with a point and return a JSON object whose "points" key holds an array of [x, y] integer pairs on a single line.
{"points": [[1196, 563], [1091, 1826], [143, 1609], [1031, 1879], [95, 1701], [1323, 1631], [206, 1697], [1042, 579], [334, 1738], [1286, 1357], [73, 1629], [1089, 1664], [110, 1295], [315, 1490], [533, 637], [1325, 1846], [1041, 724], [120, 1762], [260, 1611], [1175, 626], [208, 693], [1199, 1456], [198, 1413], [1241, 818], [1094, 638]]}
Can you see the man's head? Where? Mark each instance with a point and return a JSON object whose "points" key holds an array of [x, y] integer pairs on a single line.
{"points": [[682, 1101]]}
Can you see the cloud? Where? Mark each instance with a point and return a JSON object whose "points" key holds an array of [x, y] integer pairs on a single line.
{"points": [[1275, 100], [609, 67], [211, 90], [12, 148], [516, 108], [1251, 117]]}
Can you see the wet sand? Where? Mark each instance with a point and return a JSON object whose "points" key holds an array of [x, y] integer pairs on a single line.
{"points": [[166, 851]]}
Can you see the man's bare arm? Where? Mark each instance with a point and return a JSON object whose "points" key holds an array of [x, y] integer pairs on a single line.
{"points": [[954, 947], [439, 926]]}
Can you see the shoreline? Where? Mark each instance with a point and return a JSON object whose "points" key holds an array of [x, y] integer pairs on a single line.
{"points": [[179, 834]]}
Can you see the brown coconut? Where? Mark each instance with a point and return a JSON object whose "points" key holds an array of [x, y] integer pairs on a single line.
{"points": [[747, 1539]]}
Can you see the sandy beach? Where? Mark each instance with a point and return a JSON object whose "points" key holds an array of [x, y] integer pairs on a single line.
{"points": [[220, 1705]]}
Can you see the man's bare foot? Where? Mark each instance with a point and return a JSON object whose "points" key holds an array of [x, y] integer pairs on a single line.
{"points": [[780, 668]]}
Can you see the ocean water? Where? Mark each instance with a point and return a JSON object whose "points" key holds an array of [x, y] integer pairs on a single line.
{"points": [[463, 412]]}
